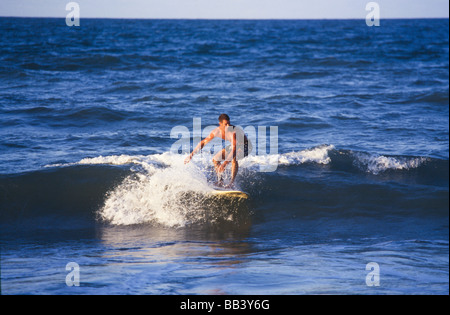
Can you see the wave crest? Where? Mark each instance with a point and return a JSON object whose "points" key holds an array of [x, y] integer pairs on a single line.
{"points": [[376, 164]]}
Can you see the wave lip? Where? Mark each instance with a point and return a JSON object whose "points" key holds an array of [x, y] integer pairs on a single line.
{"points": [[325, 154], [377, 164], [348, 160], [317, 155]]}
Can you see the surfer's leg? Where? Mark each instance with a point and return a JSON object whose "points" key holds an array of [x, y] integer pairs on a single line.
{"points": [[218, 157], [234, 170], [235, 166]]}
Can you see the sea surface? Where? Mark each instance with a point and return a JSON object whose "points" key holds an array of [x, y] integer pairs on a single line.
{"points": [[348, 179]]}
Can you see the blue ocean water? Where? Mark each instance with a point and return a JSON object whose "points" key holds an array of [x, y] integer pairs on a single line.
{"points": [[88, 173]]}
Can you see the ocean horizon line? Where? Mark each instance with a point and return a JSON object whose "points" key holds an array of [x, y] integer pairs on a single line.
{"points": [[227, 19]]}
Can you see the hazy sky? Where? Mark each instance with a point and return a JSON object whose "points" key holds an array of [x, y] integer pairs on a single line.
{"points": [[226, 9]]}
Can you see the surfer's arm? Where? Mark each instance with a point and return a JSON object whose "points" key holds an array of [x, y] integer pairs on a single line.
{"points": [[199, 146]]}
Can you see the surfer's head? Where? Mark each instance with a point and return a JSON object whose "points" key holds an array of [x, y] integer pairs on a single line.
{"points": [[224, 119]]}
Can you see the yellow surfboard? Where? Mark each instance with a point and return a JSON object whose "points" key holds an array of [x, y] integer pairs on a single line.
{"points": [[233, 194]]}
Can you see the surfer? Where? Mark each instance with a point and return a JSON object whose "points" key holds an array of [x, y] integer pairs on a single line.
{"points": [[239, 148]]}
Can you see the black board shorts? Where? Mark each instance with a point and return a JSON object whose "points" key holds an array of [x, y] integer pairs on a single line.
{"points": [[242, 151]]}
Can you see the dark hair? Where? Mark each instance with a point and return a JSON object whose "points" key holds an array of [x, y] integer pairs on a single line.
{"points": [[224, 117]]}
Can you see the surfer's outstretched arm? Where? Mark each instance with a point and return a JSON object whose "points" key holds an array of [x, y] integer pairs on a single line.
{"points": [[199, 146]]}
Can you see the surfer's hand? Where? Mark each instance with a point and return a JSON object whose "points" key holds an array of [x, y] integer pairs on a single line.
{"points": [[187, 159]]}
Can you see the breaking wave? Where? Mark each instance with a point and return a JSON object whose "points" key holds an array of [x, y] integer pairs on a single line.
{"points": [[160, 189]]}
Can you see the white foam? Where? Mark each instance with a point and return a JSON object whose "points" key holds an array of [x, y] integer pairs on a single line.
{"points": [[317, 154], [377, 164], [113, 159], [159, 197]]}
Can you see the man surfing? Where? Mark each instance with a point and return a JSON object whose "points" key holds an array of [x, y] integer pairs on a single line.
{"points": [[239, 148]]}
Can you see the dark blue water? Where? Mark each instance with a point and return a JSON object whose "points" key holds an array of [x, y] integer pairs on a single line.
{"points": [[88, 173]]}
